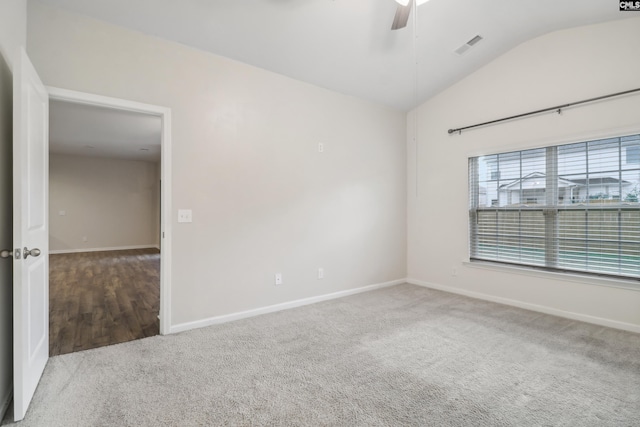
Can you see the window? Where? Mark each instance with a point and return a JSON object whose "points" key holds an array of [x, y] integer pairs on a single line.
{"points": [[633, 154], [572, 207]]}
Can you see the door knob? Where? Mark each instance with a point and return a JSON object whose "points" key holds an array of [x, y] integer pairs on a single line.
{"points": [[33, 252], [6, 253]]}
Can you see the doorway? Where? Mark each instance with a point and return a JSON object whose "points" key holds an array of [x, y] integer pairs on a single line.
{"points": [[113, 280]]}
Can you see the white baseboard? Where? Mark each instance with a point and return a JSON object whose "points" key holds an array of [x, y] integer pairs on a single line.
{"points": [[5, 400], [181, 327], [114, 248], [533, 307]]}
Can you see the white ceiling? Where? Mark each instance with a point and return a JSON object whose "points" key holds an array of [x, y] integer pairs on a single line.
{"points": [[87, 130], [347, 45]]}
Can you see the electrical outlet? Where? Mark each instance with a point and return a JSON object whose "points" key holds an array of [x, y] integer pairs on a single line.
{"points": [[320, 273], [278, 279], [320, 147], [84, 238]]}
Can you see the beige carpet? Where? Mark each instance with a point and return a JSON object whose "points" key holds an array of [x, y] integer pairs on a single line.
{"points": [[403, 355]]}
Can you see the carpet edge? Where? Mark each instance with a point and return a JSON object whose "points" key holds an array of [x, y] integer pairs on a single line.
{"points": [[600, 321], [5, 400], [181, 327]]}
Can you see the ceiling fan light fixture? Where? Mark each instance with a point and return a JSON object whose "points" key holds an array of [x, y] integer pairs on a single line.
{"points": [[403, 11], [406, 2]]}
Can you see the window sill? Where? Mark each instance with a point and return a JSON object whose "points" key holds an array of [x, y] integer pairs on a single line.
{"points": [[552, 275]]}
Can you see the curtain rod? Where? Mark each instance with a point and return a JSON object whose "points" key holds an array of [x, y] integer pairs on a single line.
{"points": [[557, 108]]}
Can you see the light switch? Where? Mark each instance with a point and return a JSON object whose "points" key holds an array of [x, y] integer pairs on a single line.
{"points": [[184, 215], [62, 213]]}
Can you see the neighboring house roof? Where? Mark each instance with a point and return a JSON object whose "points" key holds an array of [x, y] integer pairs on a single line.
{"points": [[537, 180], [600, 181]]}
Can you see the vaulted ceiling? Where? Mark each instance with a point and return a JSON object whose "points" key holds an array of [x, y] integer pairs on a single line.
{"points": [[347, 45]]}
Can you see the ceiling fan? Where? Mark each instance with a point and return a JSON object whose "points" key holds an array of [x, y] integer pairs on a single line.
{"points": [[403, 11]]}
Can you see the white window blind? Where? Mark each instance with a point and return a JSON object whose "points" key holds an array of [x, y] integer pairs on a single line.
{"points": [[572, 207]]}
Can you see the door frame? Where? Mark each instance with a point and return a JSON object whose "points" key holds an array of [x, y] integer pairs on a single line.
{"points": [[58, 94]]}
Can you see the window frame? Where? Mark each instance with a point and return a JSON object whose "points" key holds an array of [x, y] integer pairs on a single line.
{"points": [[551, 212]]}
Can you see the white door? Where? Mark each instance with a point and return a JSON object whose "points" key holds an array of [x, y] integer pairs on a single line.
{"points": [[30, 232]]}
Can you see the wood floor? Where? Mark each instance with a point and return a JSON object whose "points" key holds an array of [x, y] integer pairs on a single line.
{"points": [[102, 298]]}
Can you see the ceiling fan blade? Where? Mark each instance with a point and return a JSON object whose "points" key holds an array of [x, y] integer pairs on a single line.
{"points": [[402, 16]]}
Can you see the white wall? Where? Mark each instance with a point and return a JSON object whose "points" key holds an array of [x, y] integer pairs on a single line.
{"points": [[13, 28], [13, 34], [554, 69], [114, 203], [245, 160]]}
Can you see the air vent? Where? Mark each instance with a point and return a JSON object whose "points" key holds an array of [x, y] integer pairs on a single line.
{"points": [[468, 45]]}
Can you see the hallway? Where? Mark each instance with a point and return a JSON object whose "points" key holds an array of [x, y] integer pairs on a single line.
{"points": [[102, 298]]}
